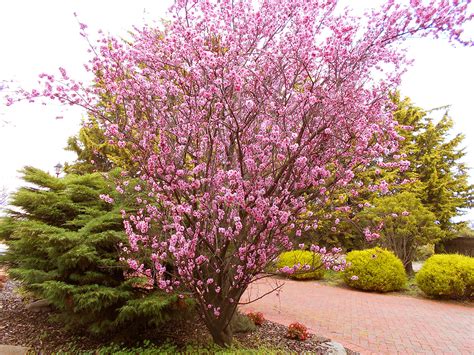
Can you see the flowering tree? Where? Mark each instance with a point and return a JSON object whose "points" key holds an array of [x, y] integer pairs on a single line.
{"points": [[239, 113]]}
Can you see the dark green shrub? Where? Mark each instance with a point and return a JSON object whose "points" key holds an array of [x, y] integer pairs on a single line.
{"points": [[447, 276], [300, 265], [374, 269], [64, 246]]}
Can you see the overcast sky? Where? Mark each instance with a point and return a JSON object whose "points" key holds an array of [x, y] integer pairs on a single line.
{"points": [[40, 36]]}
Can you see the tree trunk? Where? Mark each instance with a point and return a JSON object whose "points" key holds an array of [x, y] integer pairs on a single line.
{"points": [[222, 337], [409, 268]]}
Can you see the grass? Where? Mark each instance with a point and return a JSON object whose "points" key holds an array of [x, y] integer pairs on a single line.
{"points": [[332, 278], [148, 348], [412, 288]]}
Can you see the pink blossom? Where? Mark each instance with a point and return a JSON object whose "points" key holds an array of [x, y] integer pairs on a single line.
{"points": [[106, 198], [369, 235], [249, 104]]}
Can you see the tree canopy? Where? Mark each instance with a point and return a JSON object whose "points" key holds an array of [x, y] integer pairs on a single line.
{"points": [[405, 224]]}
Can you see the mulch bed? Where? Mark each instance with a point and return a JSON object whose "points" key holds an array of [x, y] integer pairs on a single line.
{"points": [[21, 326]]}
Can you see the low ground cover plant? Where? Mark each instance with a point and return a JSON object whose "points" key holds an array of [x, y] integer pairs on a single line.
{"points": [[374, 269], [297, 331], [149, 348], [447, 276], [256, 317]]}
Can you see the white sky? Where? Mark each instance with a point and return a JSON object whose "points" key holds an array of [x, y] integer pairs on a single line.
{"points": [[40, 36]]}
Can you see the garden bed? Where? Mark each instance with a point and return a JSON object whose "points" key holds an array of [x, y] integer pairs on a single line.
{"points": [[21, 326]]}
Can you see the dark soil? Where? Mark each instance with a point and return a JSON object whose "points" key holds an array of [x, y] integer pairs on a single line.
{"points": [[21, 326]]}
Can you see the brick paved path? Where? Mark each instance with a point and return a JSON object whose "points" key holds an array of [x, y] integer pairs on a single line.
{"points": [[367, 322]]}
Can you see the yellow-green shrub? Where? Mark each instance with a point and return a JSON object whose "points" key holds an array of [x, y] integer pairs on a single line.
{"points": [[374, 269], [297, 259], [447, 276]]}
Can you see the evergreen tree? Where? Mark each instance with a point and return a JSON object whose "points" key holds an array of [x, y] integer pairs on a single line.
{"points": [[436, 175], [444, 189], [94, 153], [64, 245]]}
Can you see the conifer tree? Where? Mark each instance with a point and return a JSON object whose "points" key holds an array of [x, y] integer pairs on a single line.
{"points": [[444, 186], [94, 153], [64, 244], [436, 174], [433, 171]]}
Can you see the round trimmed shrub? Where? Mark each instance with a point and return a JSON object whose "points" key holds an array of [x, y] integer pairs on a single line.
{"points": [[374, 269], [447, 276], [299, 260]]}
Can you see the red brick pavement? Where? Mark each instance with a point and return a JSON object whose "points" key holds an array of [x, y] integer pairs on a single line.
{"points": [[367, 322]]}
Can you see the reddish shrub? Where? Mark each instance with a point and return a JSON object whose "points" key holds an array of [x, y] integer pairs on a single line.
{"points": [[297, 331], [3, 278], [256, 317]]}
